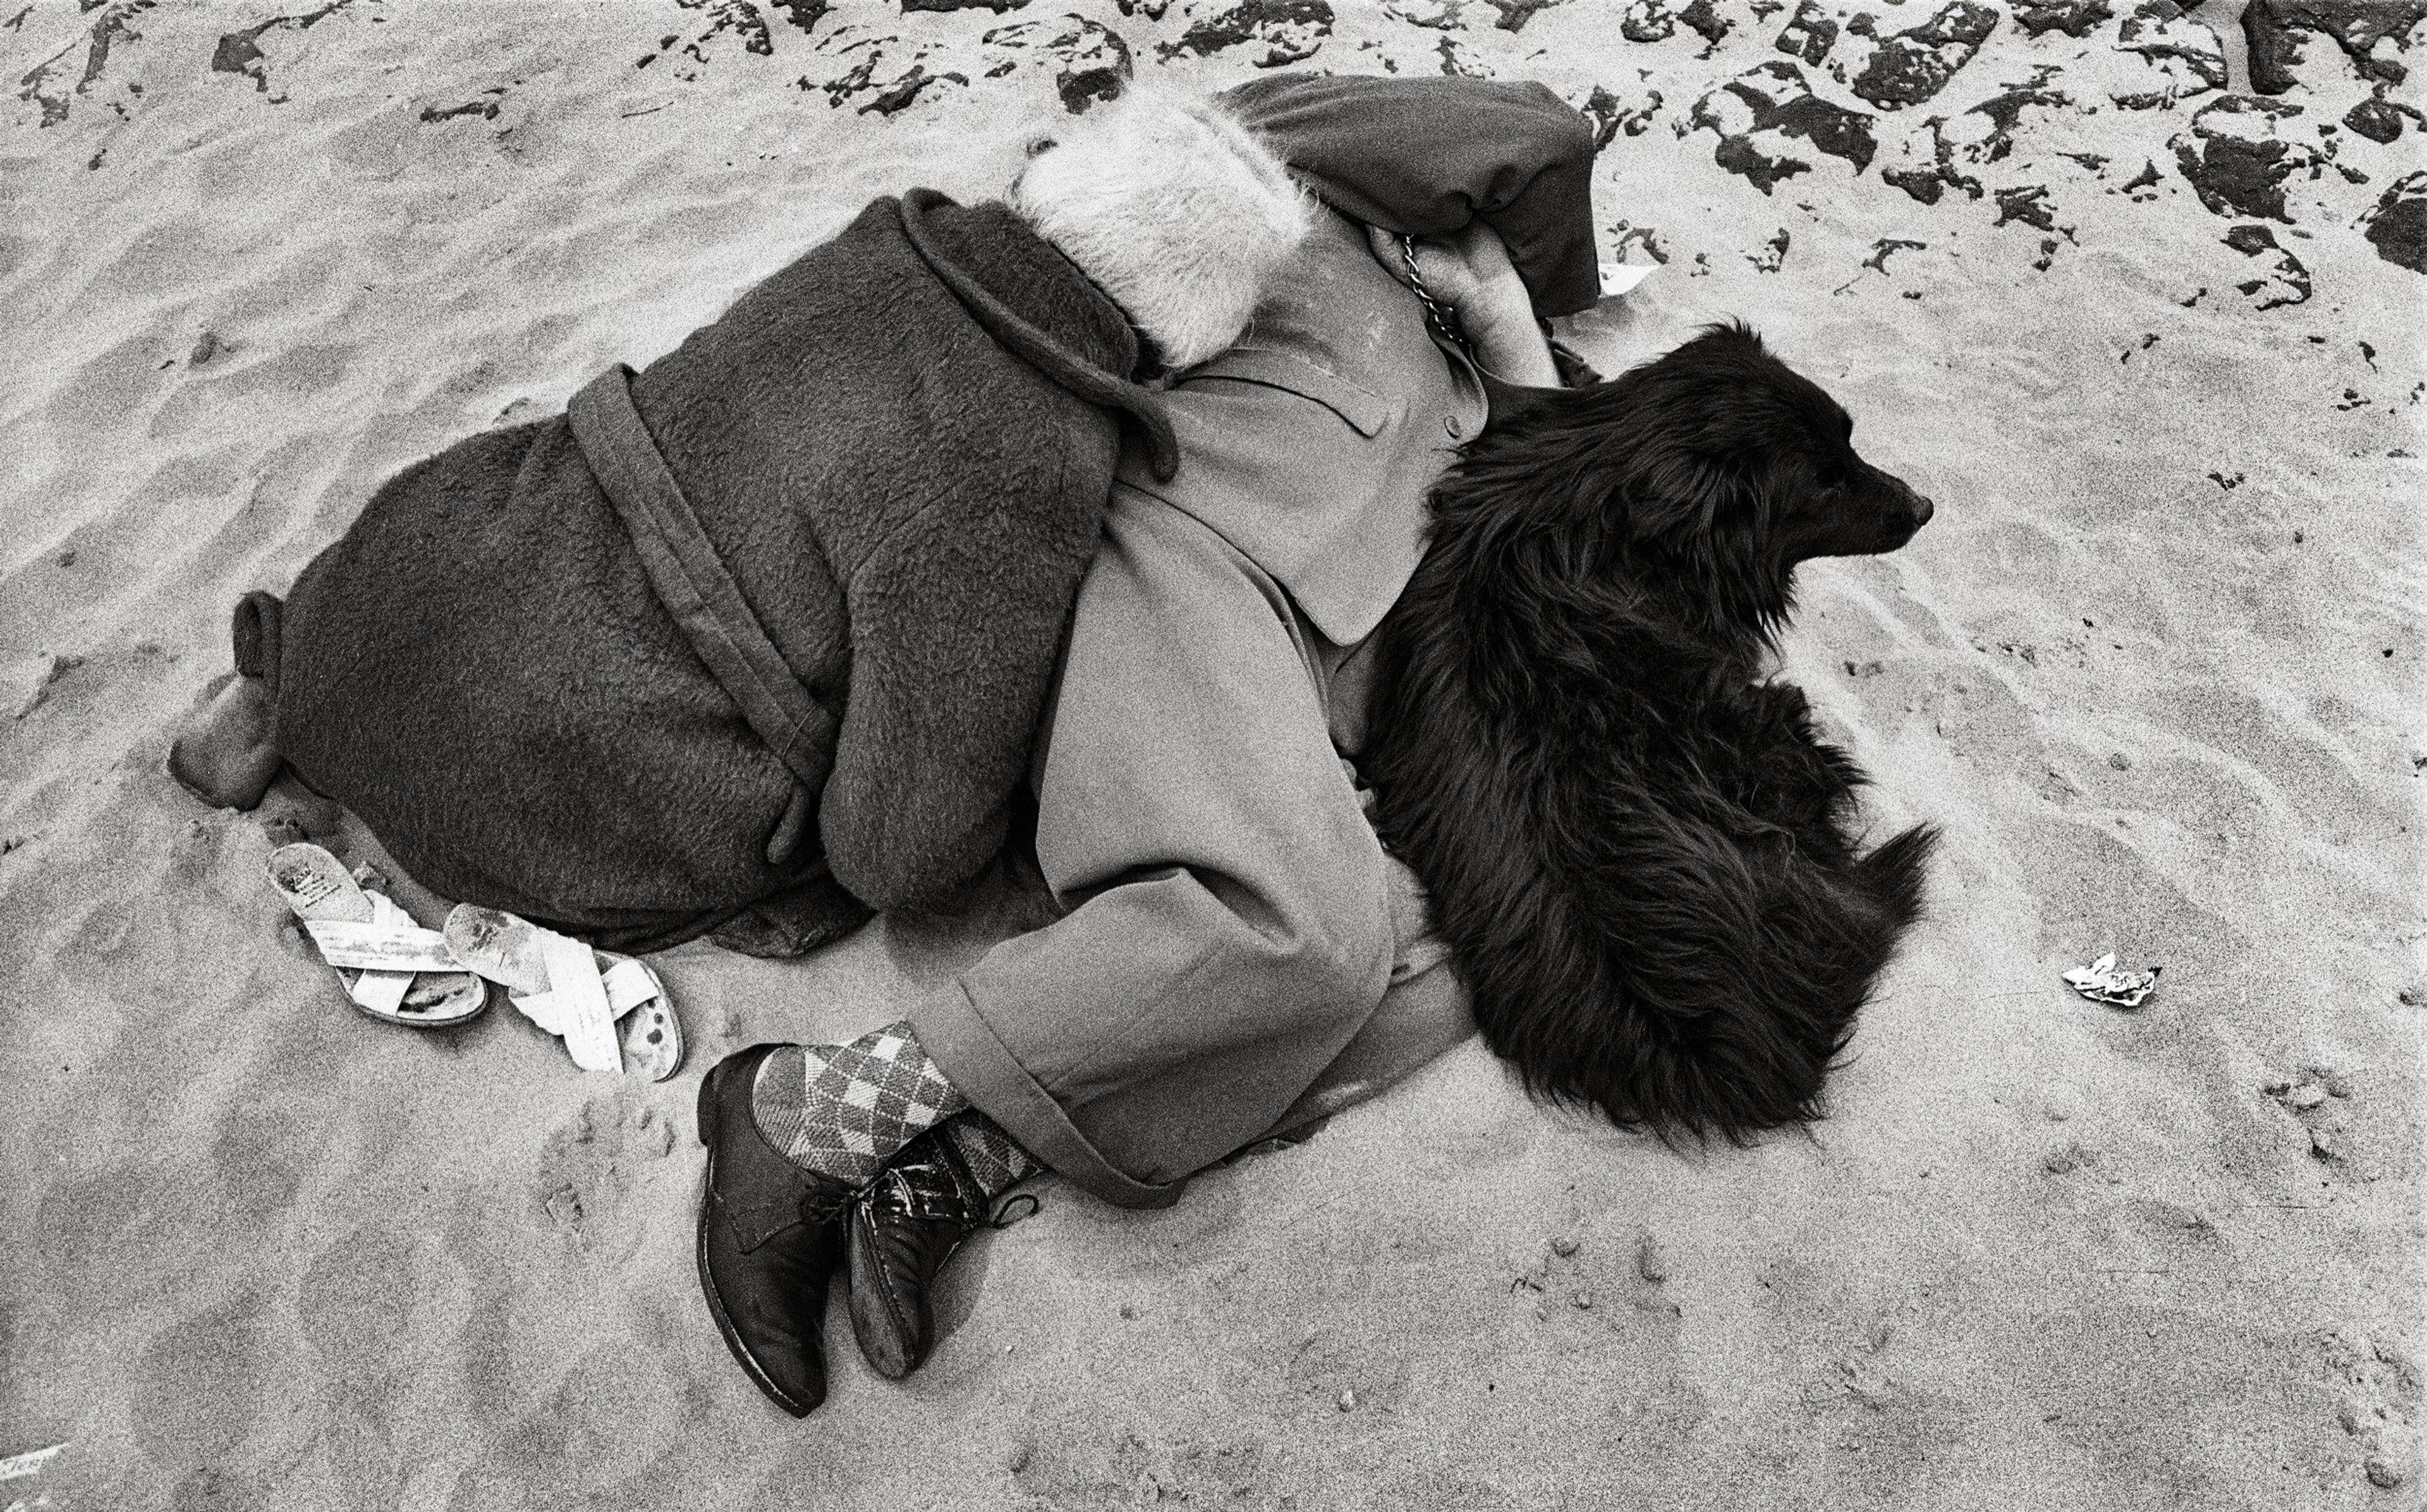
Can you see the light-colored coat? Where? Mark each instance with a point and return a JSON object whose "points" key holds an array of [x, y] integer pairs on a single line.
{"points": [[1235, 957], [1234, 924], [1310, 445]]}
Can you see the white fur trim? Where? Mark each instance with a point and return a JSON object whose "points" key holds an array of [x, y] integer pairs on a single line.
{"points": [[1175, 209]]}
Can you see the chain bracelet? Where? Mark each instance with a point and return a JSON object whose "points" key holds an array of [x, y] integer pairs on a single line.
{"points": [[1442, 319]]}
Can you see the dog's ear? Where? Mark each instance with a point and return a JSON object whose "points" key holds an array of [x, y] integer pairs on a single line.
{"points": [[1690, 441], [1678, 494], [1703, 501], [1709, 510]]}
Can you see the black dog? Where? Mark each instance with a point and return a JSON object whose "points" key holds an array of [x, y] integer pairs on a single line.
{"points": [[1640, 852]]}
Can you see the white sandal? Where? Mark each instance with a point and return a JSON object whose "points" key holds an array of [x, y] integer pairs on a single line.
{"points": [[574, 992], [393, 970]]}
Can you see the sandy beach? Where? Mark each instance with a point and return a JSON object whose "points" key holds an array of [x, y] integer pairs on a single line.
{"points": [[2155, 342]]}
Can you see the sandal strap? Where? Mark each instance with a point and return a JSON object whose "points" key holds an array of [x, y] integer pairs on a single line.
{"points": [[390, 941], [381, 992], [580, 1002], [629, 984]]}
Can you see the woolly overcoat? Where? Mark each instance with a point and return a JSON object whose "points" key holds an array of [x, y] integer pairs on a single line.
{"points": [[769, 625], [774, 617]]}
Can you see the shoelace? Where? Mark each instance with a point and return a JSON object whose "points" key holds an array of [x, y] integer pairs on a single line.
{"points": [[892, 1189]]}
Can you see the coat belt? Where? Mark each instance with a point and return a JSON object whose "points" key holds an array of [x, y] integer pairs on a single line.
{"points": [[692, 581]]}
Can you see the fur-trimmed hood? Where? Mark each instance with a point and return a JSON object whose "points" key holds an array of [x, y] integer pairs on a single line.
{"points": [[1174, 209]]}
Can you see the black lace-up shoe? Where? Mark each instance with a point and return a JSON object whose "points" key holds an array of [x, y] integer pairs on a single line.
{"points": [[771, 1238], [904, 1226]]}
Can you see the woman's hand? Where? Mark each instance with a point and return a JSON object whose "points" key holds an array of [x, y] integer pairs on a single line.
{"points": [[1471, 273], [1466, 272]]}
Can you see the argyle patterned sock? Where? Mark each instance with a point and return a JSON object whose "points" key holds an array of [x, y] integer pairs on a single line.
{"points": [[844, 1109], [995, 1159]]}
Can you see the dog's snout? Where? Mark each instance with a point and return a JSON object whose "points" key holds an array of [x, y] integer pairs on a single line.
{"points": [[1922, 509]]}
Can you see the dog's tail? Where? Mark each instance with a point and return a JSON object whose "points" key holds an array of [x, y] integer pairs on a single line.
{"points": [[1892, 877], [1684, 984]]}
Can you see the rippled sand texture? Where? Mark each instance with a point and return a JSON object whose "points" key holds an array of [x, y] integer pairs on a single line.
{"points": [[2153, 341]]}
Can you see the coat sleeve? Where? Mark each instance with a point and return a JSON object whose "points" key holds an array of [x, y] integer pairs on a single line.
{"points": [[956, 621], [1423, 156]]}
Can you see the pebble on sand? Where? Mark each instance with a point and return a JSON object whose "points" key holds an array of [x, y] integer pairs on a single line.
{"points": [[2070, 1158]]}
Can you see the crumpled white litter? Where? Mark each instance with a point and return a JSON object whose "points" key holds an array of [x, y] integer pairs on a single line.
{"points": [[2103, 981], [18, 1467], [1617, 278]]}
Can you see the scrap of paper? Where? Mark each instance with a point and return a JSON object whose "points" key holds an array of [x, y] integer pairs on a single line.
{"points": [[18, 1467], [1617, 278], [2103, 981]]}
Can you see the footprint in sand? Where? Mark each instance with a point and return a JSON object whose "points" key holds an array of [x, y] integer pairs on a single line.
{"points": [[1582, 1285], [2377, 1401], [1074, 1461], [111, 1211], [356, 1300], [253, 1153], [589, 1165], [2317, 1100], [1340, 1376], [2074, 1156], [588, 1428], [200, 1385]]}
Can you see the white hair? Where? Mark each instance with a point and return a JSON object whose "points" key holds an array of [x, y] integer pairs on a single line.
{"points": [[1175, 209]]}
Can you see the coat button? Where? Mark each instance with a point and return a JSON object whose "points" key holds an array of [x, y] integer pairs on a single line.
{"points": [[1449, 423]]}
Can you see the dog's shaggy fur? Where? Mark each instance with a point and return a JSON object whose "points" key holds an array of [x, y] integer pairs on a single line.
{"points": [[1637, 847], [1175, 209]]}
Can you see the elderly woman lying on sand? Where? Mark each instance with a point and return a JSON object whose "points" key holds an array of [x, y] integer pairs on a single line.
{"points": [[760, 638], [1063, 523]]}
